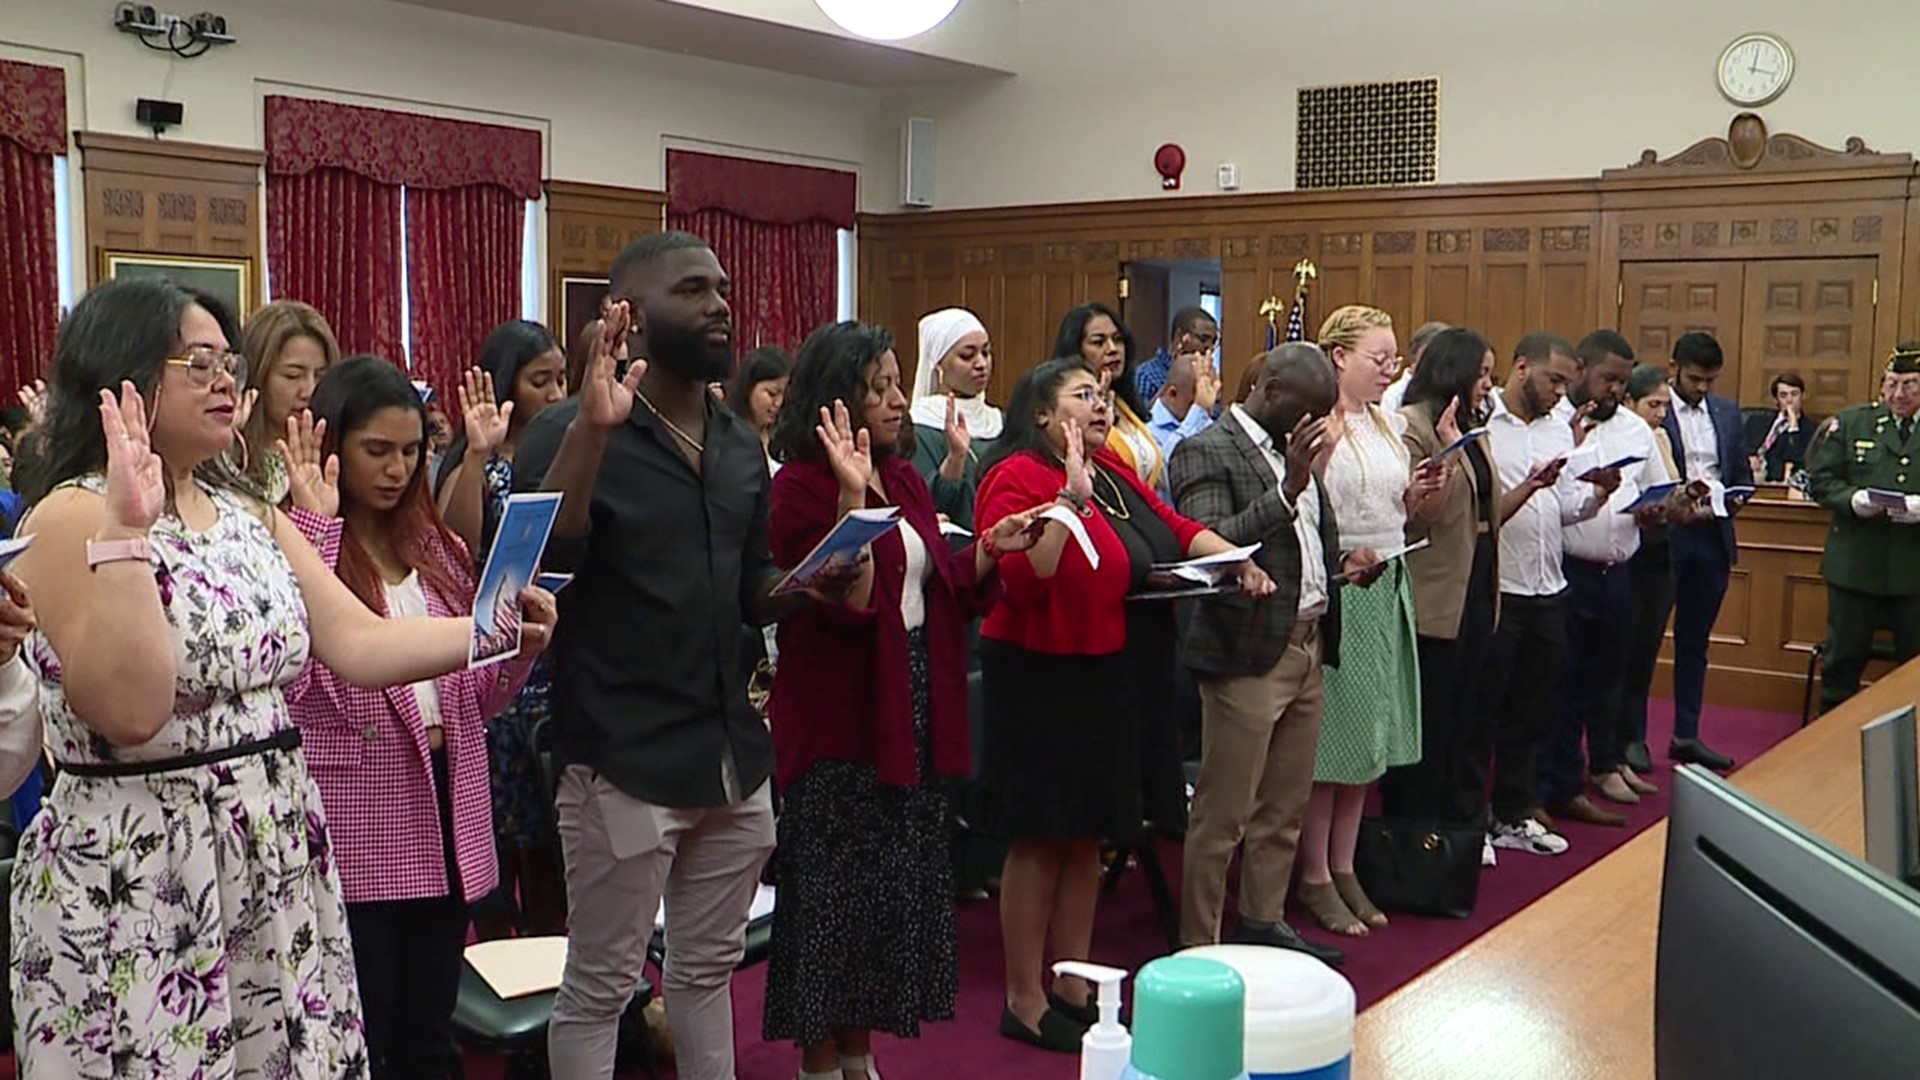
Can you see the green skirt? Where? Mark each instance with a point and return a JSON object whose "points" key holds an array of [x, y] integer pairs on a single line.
{"points": [[1373, 698]]}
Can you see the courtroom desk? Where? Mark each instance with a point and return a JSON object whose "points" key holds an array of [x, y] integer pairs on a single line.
{"points": [[1564, 989], [1775, 611]]}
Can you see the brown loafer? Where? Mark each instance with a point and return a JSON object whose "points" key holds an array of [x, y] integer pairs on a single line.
{"points": [[1613, 787], [1581, 808], [1639, 784]]}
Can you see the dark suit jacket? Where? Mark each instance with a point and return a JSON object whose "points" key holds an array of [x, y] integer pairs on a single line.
{"points": [[1735, 470], [1222, 480]]}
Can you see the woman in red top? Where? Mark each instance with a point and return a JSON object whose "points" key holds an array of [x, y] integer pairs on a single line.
{"points": [[1064, 679], [869, 714]]}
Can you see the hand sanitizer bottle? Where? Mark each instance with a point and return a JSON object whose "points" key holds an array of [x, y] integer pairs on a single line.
{"points": [[1106, 1049]]}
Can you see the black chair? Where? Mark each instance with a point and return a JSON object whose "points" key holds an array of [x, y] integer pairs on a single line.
{"points": [[1882, 650]]}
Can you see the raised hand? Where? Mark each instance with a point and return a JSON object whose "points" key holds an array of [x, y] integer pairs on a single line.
{"points": [[34, 397], [959, 442], [313, 484], [1582, 422], [1309, 445], [486, 420], [1079, 477], [849, 452], [136, 477], [605, 399], [1448, 426]]}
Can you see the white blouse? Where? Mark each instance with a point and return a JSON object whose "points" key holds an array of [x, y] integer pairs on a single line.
{"points": [[1367, 480], [913, 591], [408, 600]]}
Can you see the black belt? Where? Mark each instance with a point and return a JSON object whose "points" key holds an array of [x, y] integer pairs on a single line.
{"points": [[280, 741]]}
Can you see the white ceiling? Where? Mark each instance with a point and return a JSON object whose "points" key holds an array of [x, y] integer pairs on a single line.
{"points": [[784, 39]]}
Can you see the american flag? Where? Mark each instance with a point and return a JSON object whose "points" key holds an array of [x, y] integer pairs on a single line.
{"points": [[1297, 317]]}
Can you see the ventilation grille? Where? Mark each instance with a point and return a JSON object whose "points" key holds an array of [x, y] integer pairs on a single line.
{"points": [[1368, 134]]}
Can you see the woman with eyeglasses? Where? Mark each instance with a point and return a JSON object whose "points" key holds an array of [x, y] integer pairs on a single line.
{"points": [[1074, 677], [176, 908], [1372, 716]]}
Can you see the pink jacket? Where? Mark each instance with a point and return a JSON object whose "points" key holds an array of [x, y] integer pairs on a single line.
{"points": [[367, 751]]}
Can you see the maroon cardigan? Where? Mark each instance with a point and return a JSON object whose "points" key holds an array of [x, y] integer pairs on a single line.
{"points": [[841, 690]]}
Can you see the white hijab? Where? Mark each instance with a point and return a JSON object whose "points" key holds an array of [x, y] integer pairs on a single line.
{"points": [[939, 333]]}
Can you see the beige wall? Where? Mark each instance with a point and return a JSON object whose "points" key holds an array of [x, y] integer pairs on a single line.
{"points": [[608, 110], [1529, 88]]}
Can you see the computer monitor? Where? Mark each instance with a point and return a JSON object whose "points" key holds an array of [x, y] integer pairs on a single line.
{"points": [[1890, 795], [1780, 956]]}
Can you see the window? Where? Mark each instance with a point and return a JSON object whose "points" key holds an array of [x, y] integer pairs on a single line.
{"points": [[846, 285], [531, 303], [63, 233]]}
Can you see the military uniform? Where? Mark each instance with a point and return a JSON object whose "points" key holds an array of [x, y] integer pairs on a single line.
{"points": [[1872, 560]]}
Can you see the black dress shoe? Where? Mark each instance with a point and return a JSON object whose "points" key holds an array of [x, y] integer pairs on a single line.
{"points": [[1057, 1033], [1695, 752], [1085, 1015], [1281, 936], [1639, 758]]}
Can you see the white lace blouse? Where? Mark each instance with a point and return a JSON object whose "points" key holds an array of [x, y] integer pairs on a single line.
{"points": [[1367, 480]]}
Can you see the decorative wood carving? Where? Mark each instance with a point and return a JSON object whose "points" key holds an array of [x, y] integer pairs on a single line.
{"points": [[227, 211], [1192, 247], [1747, 147], [1785, 231], [1566, 238], [1826, 229], [1337, 245], [1397, 242], [1138, 250], [1706, 234], [1746, 231], [1507, 239], [1061, 252], [1240, 247], [178, 206], [170, 198], [1633, 237], [121, 202], [1866, 230], [900, 259], [978, 256], [1666, 234], [1291, 245], [1103, 251], [1449, 241]]}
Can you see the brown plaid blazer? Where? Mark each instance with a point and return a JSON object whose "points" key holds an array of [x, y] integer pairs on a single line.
{"points": [[1222, 480]]}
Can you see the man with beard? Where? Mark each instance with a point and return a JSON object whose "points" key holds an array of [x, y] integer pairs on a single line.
{"points": [[663, 765], [1599, 593], [1523, 665]]}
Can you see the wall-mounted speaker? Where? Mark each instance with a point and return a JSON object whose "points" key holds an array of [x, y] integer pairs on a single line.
{"points": [[916, 163], [159, 115]]}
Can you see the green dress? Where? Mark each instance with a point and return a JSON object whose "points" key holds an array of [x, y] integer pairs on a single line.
{"points": [[953, 498]]}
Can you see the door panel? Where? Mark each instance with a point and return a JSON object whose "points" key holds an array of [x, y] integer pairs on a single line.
{"points": [[1813, 317], [1661, 301]]}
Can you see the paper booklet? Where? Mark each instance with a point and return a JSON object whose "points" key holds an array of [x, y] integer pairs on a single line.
{"points": [[517, 967], [1388, 556], [1457, 445], [847, 539], [1209, 569], [1727, 501], [1653, 495], [511, 566], [1079, 530], [1880, 497]]}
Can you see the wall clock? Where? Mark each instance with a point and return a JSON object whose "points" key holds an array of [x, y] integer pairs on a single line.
{"points": [[1755, 69]]}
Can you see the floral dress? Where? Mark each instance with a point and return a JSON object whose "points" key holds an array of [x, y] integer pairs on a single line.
{"points": [[189, 923]]}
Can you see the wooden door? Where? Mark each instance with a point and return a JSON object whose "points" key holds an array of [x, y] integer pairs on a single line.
{"points": [[1813, 317], [1145, 309], [1660, 301]]}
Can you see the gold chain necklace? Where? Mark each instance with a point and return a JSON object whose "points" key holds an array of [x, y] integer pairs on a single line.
{"points": [[671, 426], [1118, 509]]}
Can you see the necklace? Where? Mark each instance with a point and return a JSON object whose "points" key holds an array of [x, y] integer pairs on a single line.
{"points": [[1116, 509], [671, 426]]}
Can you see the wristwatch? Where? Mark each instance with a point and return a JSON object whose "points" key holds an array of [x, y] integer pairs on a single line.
{"points": [[1078, 502], [131, 549]]}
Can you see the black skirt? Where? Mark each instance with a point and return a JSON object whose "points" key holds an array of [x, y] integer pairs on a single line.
{"points": [[863, 935], [1062, 749]]}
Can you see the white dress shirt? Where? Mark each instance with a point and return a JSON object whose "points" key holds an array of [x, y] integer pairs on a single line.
{"points": [[1702, 442], [1612, 536], [1395, 395], [1306, 519], [1530, 541]]}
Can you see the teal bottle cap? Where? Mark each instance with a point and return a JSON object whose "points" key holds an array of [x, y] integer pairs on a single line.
{"points": [[1189, 1020]]}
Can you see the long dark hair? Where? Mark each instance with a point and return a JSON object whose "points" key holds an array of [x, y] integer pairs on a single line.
{"points": [[831, 366], [347, 397], [122, 330], [1035, 393], [1067, 343], [764, 364], [513, 345], [1448, 371]]}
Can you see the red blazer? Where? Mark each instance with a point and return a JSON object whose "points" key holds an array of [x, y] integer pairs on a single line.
{"points": [[1078, 611], [367, 751], [841, 690]]}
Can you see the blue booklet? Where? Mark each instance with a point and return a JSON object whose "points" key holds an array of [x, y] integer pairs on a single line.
{"points": [[553, 583], [1458, 445], [1653, 496], [840, 546], [511, 567]]}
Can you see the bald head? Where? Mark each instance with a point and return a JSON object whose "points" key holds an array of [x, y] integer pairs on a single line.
{"points": [[1295, 380]]}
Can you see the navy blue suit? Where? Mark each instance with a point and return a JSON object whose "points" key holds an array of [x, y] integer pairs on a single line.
{"points": [[1703, 555]]}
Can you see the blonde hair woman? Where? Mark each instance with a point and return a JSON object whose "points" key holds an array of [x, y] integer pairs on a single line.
{"points": [[1372, 719], [288, 346]]}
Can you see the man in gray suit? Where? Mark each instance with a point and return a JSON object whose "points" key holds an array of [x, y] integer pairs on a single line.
{"points": [[1250, 477]]}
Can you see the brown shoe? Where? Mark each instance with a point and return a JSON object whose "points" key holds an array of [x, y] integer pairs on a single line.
{"points": [[1635, 781], [1613, 787], [1581, 808]]}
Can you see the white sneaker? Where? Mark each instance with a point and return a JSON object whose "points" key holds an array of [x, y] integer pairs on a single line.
{"points": [[1487, 857], [1530, 836]]}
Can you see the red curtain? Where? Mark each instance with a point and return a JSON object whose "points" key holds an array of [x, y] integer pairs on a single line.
{"points": [[773, 227], [463, 275], [33, 131], [333, 240], [783, 275]]}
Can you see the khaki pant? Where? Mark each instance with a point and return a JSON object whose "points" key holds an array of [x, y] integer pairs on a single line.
{"points": [[1259, 735], [622, 855]]}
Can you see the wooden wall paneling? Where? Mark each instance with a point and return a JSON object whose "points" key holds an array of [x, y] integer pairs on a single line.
{"points": [[1148, 312], [1900, 297], [1663, 300], [1813, 317], [587, 227], [170, 198]]}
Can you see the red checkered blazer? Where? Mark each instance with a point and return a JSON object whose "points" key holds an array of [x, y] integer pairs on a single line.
{"points": [[367, 751]]}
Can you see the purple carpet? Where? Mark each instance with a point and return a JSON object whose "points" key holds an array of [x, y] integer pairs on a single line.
{"points": [[1128, 937]]}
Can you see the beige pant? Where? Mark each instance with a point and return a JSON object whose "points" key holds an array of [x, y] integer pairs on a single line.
{"points": [[621, 856], [1259, 735]]}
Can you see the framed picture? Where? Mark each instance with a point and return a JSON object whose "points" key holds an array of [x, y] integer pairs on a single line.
{"points": [[580, 299], [230, 280]]}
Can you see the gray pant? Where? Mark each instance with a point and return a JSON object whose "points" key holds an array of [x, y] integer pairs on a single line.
{"points": [[621, 856]]}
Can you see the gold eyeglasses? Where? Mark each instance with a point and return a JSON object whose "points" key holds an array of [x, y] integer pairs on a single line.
{"points": [[1389, 365], [204, 364]]}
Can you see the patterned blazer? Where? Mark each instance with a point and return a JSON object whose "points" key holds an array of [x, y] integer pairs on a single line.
{"points": [[367, 750], [1221, 479]]}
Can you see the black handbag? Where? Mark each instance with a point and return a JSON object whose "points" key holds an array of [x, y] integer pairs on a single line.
{"points": [[1422, 867]]}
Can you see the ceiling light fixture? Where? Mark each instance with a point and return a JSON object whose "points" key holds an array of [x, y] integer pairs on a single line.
{"points": [[887, 20]]}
